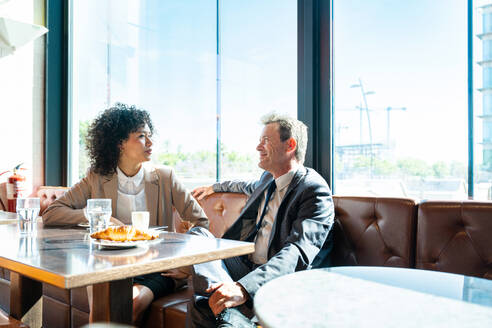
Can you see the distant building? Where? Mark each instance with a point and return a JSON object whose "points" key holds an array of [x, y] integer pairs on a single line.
{"points": [[486, 89]]}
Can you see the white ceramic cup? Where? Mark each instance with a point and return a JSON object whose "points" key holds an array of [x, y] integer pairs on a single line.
{"points": [[140, 220]]}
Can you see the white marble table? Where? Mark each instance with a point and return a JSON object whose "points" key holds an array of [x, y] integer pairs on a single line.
{"points": [[374, 297], [66, 258]]}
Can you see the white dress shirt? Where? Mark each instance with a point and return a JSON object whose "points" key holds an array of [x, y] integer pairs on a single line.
{"points": [[131, 195], [260, 256]]}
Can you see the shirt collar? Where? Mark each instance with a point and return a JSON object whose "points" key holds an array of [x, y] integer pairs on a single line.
{"points": [[284, 180], [135, 180]]}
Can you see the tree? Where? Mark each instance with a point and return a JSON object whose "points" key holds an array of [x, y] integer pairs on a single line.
{"points": [[440, 169], [413, 167]]}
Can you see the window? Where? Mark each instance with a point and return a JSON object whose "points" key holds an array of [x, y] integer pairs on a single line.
{"points": [[21, 97], [173, 59], [259, 74], [400, 98]]}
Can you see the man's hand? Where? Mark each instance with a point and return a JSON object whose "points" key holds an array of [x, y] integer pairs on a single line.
{"points": [[226, 295], [202, 192]]}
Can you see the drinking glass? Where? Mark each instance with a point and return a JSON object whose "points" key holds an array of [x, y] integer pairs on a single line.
{"points": [[140, 220], [98, 213], [27, 212]]}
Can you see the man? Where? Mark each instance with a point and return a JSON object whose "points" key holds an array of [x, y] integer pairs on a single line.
{"points": [[289, 215]]}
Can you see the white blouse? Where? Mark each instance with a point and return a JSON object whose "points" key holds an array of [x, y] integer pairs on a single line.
{"points": [[131, 195]]}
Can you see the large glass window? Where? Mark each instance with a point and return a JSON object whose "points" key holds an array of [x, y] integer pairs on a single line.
{"points": [[483, 99], [400, 98], [203, 83], [258, 48]]}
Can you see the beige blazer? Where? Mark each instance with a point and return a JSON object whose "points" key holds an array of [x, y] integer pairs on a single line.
{"points": [[162, 191]]}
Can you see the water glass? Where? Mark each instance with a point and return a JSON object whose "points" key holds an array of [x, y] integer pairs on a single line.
{"points": [[98, 213], [140, 220], [27, 212], [28, 246]]}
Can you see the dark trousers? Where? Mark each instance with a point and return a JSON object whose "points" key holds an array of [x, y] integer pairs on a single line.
{"points": [[205, 274]]}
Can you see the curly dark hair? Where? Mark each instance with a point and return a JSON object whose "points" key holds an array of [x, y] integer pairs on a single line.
{"points": [[108, 131]]}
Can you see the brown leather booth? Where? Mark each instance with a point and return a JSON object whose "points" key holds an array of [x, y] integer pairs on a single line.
{"points": [[374, 231], [449, 236], [455, 237]]}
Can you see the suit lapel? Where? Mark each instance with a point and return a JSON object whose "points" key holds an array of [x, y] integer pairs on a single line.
{"points": [[151, 193], [110, 188], [243, 226]]}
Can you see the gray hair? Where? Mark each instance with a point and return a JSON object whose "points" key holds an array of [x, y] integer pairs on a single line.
{"points": [[289, 127]]}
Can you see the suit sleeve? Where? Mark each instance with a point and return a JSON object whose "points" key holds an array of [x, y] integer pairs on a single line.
{"points": [[237, 186], [68, 209], [186, 205], [309, 230]]}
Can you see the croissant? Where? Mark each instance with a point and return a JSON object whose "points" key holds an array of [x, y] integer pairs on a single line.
{"points": [[123, 233]]}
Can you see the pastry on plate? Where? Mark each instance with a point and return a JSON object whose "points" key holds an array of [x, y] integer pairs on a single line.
{"points": [[123, 233]]}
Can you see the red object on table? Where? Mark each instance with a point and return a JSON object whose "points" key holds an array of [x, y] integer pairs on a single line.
{"points": [[16, 188]]}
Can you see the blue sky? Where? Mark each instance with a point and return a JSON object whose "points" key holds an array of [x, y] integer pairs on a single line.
{"points": [[411, 54]]}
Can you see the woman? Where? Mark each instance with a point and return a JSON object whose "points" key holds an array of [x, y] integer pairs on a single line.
{"points": [[119, 143]]}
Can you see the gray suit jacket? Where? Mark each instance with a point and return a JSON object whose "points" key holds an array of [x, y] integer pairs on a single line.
{"points": [[300, 237], [162, 191]]}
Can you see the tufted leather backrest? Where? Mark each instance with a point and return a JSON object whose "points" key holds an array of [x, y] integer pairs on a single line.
{"points": [[48, 195], [455, 237], [374, 231], [222, 210]]}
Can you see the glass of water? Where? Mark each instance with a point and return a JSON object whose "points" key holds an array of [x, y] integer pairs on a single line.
{"points": [[98, 213], [27, 212]]}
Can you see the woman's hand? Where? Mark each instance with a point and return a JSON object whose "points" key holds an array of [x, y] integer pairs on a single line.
{"points": [[202, 192], [179, 273], [116, 221]]}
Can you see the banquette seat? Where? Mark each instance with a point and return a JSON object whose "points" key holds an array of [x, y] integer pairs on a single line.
{"points": [[450, 236]]}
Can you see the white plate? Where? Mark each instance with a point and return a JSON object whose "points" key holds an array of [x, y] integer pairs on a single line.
{"points": [[124, 244], [86, 224], [120, 252]]}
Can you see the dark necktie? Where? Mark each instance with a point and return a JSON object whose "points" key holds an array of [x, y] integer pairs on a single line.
{"points": [[269, 194]]}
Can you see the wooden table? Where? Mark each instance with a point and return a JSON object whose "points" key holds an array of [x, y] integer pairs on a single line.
{"points": [[374, 297], [66, 258]]}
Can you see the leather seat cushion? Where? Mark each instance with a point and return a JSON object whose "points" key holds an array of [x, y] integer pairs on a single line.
{"points": [[167, 308]]}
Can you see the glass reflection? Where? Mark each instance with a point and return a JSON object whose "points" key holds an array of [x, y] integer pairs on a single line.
{"points": [[124, 256], [477, 290], [28, 247], [448, 285]]}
